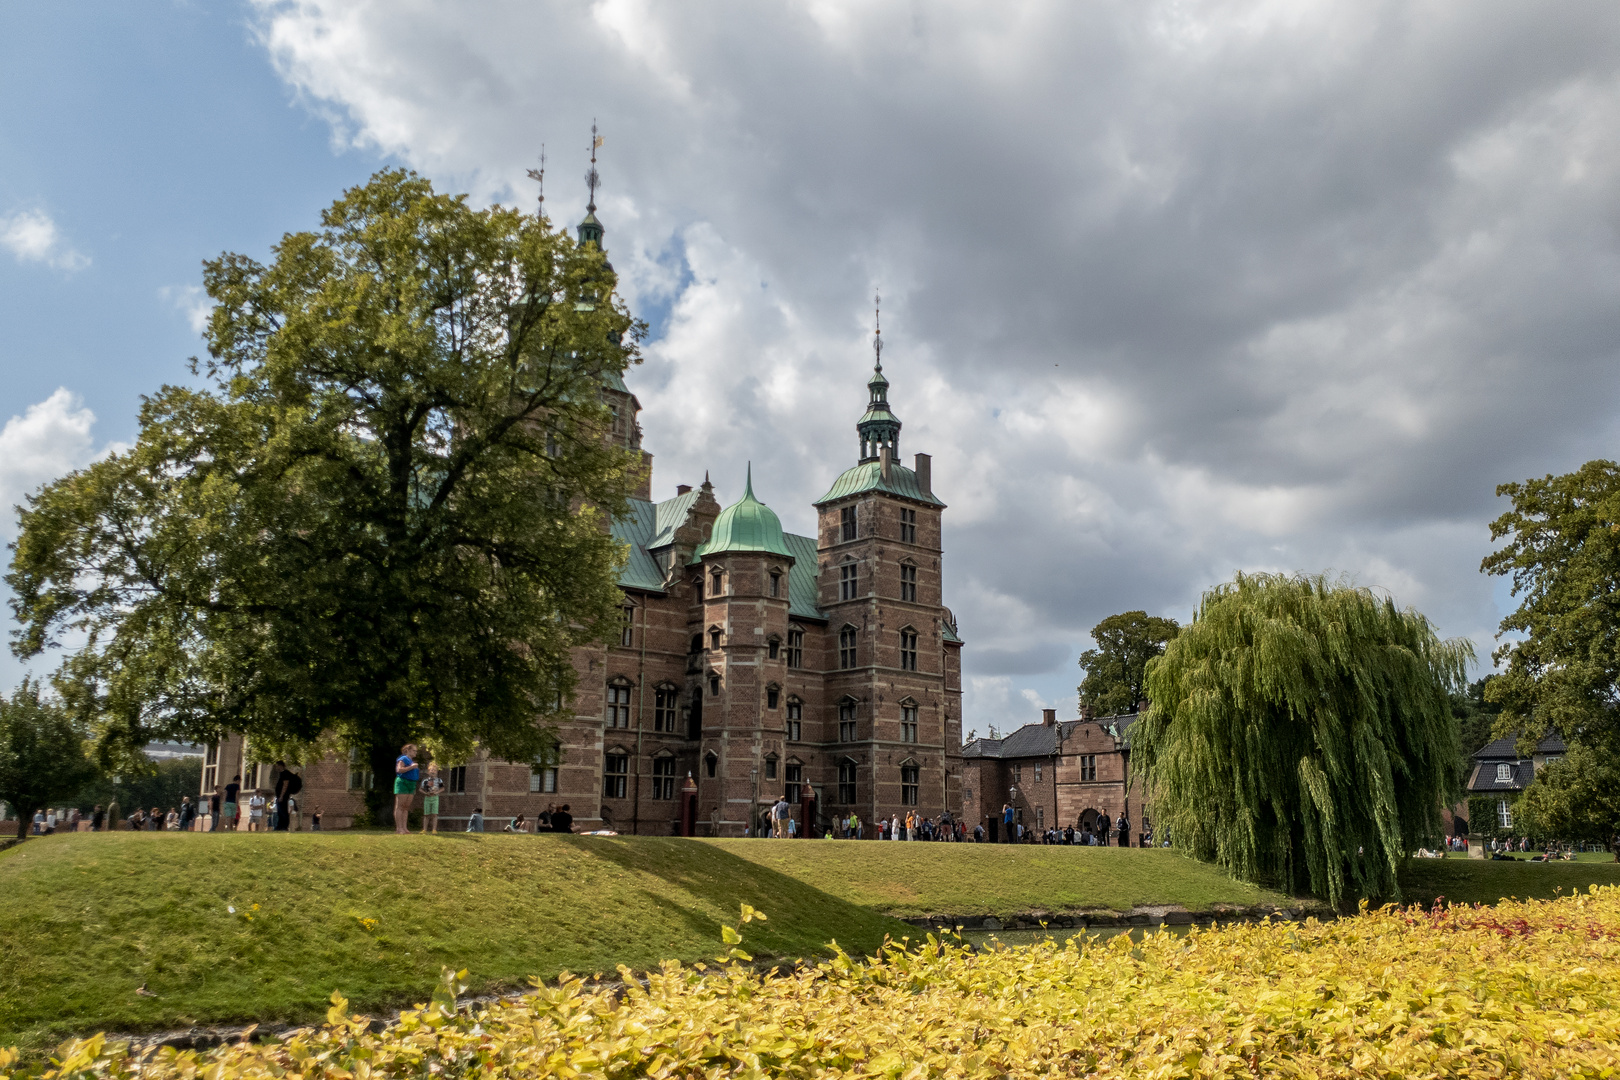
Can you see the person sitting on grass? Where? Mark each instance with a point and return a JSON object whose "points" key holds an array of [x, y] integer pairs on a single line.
{"points": [[475, 823]]}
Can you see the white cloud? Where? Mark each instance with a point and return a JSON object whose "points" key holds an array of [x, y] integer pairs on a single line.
{"points": [[32, 236], [192, 302], [1169, 291], [51, 438]]}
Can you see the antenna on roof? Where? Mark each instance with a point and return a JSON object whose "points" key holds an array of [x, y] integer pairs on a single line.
{"points": [[539, 177], [877, 322], [592, 179]]}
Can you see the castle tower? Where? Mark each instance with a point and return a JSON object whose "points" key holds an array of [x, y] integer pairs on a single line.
{"points": [[893, 688], [739, 693]]}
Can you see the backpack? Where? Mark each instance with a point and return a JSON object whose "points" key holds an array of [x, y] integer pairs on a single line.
{"points": [[295, 784]]}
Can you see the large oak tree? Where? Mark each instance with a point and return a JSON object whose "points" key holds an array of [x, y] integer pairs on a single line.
{"points": [[1301, 735], [1116, 670], [380, 515]]}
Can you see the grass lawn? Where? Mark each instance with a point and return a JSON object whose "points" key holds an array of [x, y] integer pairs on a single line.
{"points": [[1480, 881], [998, 879], [87, 918]]}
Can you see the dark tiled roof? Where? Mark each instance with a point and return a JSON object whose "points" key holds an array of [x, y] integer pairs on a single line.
{"points": [[1038, 740], [1507, 749], [1483, 781]]}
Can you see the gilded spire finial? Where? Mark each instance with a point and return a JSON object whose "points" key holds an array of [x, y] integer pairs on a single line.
{"points": [[592, 178], [539, 177], [877, 322]]}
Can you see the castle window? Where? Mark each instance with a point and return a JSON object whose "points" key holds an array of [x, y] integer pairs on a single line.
{"points": [[1088, 767], [846, 721], [770, 767], [776, 583], [795, 778], [455, 782], [846, 647], [716, 582], [627, 631], [714, 686], [848, 579], [908, 784], [714, 637], [846, 782], [542, 780], [618, 706], [615, 775], [664, 708], [774, 647], [847, 522], [795, 720], [795, 656], [1037, 774], [908, 583], [908, 526], [772, 696], [694, 718], [710, 763], [908, 723], [908, 649], [663, 778]]}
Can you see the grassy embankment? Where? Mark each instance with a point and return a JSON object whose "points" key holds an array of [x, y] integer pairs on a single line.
{"points": [[86, 919], [999, 879]]}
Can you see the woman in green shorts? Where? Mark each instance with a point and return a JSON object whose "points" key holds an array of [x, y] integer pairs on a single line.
{"points": [[432, 787], [406, 775]]}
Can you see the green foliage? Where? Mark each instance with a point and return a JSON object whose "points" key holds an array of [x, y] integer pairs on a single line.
{"points": [[383, 516], [1116, 668], [1563, 558], [1476, 720], [1574, 798], [1301, 735], [42, 753], [162, 784]]}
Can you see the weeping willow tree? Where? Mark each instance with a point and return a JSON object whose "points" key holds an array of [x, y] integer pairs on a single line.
{"points": [[1300, 735]]}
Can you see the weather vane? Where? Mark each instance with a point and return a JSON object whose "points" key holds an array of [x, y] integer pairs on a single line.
{"points": [[591, 177], [539, 177], [877, 321]]}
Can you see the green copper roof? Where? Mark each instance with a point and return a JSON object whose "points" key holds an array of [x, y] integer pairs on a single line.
{"points": [[746, 525], [878, 414], [868, 476]]}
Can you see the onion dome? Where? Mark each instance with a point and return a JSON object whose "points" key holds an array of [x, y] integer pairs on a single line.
{"points": [[746, 525]]}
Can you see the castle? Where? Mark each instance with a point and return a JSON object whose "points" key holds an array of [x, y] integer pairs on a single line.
{"points": [[752, 664]]}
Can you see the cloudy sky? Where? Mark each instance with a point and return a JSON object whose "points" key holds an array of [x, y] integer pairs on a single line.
{"points": [[1170, 289]]}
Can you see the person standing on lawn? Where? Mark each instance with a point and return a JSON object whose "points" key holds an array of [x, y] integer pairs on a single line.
{"points": [[432, 788], [97, 816], [232, 791], [256, 803], [406, 777], [285, 790]]}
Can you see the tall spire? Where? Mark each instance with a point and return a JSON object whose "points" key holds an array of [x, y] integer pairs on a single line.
{"points": [[539, 177], [590, 230], [879, 428]]}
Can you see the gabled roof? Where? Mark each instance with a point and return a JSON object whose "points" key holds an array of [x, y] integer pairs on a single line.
{"points": [[1038, 740], [1507, 748]]}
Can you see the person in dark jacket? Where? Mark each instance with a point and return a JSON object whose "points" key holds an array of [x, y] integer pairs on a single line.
{"points": [[562, 820]]}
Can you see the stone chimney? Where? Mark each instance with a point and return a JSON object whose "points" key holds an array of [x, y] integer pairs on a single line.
{"points": [[1049, 717], [885, 462], [925, 473]]}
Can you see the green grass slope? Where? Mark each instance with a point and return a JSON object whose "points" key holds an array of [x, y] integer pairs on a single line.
{"points": [[1481, 881], [86, 919], [998, 879]]}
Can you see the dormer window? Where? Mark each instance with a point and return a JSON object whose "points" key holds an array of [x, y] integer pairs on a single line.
{"points": [[1504, 774]]}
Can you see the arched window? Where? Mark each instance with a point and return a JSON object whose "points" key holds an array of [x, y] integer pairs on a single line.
{"points": [[908, 649], [663, 776], [909, 774], [846, 720], [846, 781], [618, 703], [615, 773], [846, 648], [665, 696]]}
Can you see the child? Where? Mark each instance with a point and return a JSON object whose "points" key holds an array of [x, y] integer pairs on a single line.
{"points": [[432, 788], [256, 812], [315, 820]]}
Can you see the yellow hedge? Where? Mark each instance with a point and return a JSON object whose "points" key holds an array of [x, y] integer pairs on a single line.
{"points": [[1523, 989]]}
